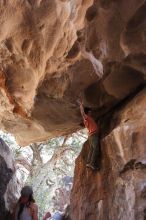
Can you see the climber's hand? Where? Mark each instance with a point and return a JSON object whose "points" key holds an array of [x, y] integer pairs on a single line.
{"points": [[79, 101]]}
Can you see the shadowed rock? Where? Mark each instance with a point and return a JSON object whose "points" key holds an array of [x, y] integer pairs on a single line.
{"points": [[9, 185]]}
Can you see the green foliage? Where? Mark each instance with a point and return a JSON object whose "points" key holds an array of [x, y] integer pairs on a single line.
{"points": [[44, 166]]}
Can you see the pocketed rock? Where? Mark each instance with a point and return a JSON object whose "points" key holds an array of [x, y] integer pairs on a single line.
{"points": [[51, 51]]}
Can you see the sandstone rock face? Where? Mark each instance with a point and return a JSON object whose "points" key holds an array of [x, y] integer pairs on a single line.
{"points": [[9, 185], [51, 50], [118, 191]]}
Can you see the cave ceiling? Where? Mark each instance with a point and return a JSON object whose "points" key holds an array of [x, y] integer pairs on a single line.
{"points": [[51, 51]]}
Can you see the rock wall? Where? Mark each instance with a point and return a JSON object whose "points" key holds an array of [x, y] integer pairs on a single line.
{"points": [[9, 185], [118, 191], [53, 50]]}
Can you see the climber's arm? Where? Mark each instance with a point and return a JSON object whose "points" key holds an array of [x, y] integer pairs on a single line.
{"points": [[82, 109]]}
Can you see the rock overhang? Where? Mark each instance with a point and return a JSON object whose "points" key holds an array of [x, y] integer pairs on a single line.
{"points": [[51, 51]]}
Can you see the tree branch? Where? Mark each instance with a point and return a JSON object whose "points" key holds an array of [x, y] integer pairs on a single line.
{"points": [[23, 161]]}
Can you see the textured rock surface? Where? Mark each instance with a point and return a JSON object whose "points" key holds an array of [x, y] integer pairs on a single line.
{"points": [[118, 191], [9, 185], [50, 52]]}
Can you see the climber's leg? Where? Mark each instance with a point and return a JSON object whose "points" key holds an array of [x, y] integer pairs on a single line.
{"points": [[95, 157]]}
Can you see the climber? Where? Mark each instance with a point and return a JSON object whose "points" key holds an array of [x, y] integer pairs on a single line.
{"points": [[26, 208], [93, 160]]}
